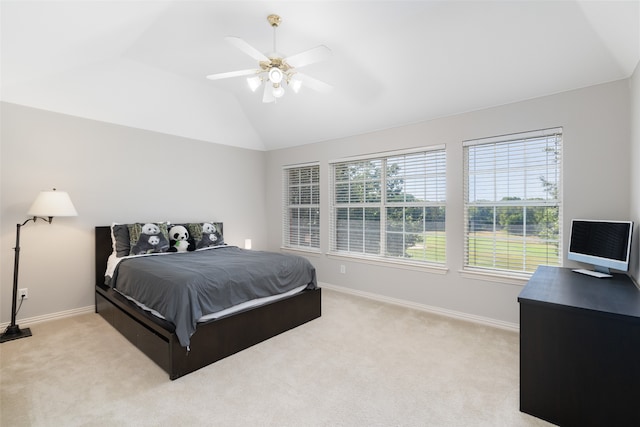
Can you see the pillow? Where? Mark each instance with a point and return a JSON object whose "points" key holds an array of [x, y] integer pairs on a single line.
{"points": [[120, 240], [206, 234], [147, 238]]}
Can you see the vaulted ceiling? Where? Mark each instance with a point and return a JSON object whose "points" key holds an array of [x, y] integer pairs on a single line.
{"points": [[143, 63]]}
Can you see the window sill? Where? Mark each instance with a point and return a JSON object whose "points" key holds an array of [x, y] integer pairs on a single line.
{"points": [[306, 252], [510, 278], [391, 263]]}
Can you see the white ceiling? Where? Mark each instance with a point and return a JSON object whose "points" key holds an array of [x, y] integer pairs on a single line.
{"points": [[143, 63]]}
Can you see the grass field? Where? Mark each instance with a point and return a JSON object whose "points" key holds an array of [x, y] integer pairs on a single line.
{"points": [[433, 249], [510, 252]]}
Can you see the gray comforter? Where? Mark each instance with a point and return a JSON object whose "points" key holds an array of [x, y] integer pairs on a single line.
{"points": [[186, 286]]}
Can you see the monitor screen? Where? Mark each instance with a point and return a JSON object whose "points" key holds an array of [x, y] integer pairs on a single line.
{"points": [[604, 244]]}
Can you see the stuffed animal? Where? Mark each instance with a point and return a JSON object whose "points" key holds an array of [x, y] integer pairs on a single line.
{"points": [[180, 240], [151, 240]]}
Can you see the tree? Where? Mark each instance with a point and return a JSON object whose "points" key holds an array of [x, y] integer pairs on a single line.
{"points": [[362, 183], [548, 218], [511, 218]]}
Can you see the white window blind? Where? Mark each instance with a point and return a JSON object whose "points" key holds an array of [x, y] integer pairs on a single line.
{"points": [[301, 207], [390, 206], [513, 210]]}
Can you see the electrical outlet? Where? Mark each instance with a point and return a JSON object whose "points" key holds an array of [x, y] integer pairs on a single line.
{"points": [[343, 269], [23, 293]]}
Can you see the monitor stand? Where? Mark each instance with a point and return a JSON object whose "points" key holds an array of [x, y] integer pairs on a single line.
{"points": [[594, 273]]}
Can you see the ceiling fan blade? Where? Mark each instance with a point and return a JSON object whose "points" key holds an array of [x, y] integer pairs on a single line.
{"points": [[232, 74], [311, 56], [314, 84], [247, 48], [267, 95]]}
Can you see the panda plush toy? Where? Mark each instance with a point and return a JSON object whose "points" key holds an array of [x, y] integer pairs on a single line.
{"points": [[179, 239]]}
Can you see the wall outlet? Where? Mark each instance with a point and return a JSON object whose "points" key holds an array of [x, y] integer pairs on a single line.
{"points": [[343, 269], [23, 293]]}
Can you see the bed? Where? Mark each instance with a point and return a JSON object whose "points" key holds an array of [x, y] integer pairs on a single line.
{"points": [[214, 339]]}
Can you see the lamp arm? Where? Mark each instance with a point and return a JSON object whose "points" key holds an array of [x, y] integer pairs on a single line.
{"points": [[13, 328], [48, 219]]}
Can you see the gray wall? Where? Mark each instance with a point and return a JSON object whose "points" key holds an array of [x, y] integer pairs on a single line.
{"points": [[115, 173], [112, 173], [596, 185]]}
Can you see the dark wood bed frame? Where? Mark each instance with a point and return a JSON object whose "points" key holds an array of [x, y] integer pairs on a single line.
{"points": [[213, 340]]}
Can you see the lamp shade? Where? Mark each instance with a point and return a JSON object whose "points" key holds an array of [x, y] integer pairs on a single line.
{"points": [[254, 83], [275, 75], [296, 84], [278, 91], [52, 203]]}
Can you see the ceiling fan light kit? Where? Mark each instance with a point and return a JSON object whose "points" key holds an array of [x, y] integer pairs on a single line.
{"points": [[295, 84], [254, 83], [275, 70], [275, 75]]}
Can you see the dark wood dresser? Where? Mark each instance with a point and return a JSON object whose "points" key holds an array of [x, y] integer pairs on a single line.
{"points": [[580, 349]]}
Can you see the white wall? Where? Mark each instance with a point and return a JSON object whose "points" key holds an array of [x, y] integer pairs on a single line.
{"points": [[596, 185], [112, 173], [634, 161]]}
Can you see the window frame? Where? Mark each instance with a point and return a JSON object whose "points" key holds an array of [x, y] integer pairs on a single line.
{"points": [[554, 163], [314, 204], [382, 204]]}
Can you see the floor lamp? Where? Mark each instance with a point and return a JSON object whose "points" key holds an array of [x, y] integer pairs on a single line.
{"points": [[47, 205]]}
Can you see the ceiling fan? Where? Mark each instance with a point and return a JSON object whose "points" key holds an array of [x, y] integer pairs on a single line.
{"points": [[274, 70]]}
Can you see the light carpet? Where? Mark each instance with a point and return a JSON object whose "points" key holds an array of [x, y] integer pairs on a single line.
{"points": [[363, 363]]}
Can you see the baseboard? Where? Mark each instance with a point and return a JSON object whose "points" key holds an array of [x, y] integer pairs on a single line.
{"points": [[52, 316], [487, 321]]}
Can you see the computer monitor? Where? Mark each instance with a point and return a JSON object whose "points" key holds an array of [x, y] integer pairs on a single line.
{"points": [[601, 243]]}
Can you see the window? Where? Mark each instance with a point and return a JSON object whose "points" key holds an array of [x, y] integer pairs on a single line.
{"points": [[390, 207], [301, 210], [513, 211]]}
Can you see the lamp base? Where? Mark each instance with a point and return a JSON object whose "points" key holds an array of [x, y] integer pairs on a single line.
{"points": [[13, 333]]}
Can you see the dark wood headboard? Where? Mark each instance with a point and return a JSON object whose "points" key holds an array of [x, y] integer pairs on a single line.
{"points": [[103, 250]]}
